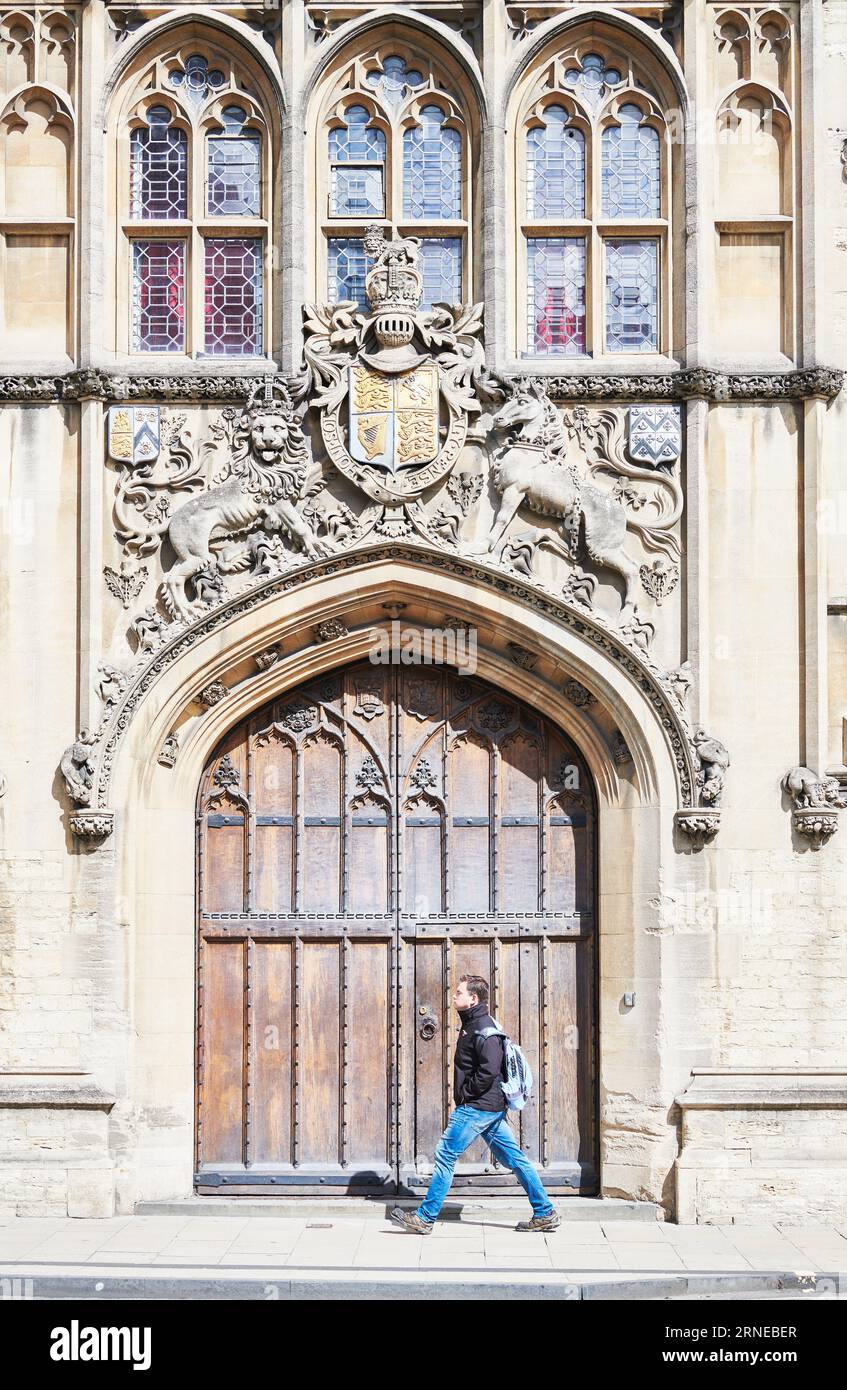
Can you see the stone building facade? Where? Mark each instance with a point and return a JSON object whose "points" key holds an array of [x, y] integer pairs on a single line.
{"points": [[522, 325]]}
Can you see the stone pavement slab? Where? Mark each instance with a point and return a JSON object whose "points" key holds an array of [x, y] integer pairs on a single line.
{"points": [[306, 1257]]}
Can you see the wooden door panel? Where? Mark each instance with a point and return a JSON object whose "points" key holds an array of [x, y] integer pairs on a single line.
{"points": [[222, 1050], [369, 1000], [272, 1091], [364, 841]]}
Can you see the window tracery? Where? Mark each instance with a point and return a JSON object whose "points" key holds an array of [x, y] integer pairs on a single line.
{"points": [[593, 172], [395, 149], [194, 206]]}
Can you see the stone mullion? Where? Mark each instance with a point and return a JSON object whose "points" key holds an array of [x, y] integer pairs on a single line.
{"points": [[289, 258], [491, 249], [91, 215], [698, 176]]}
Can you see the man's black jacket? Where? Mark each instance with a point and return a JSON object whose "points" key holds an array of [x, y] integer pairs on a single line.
{"points": [[478, 1064]]}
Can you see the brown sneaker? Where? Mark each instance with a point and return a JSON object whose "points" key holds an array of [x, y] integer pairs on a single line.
{"points": [[411, 1222], [541, 1223]]}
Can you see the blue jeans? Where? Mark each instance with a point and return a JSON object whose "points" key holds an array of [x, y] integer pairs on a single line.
{"points": [[467, 1124]]}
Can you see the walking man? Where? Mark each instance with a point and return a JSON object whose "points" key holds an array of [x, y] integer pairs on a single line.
{"points": [[480, 1113]]}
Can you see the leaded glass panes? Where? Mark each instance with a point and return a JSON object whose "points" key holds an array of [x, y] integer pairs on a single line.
{"points": [[432, 168], [631, 186], [441, 267], [234, 183], [158, 164], [556, 295], [632, 296], [197, 79], [395, 81], [233, 303], [158, 296], [357, 159], [555, 168], [593, 81], [347, 268]]}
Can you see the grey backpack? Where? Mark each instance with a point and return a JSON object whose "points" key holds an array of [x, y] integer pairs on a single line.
{"points": [[517, 1083]]}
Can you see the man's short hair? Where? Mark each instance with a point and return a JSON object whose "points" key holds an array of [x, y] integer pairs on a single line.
{"points": [[476, 985]]}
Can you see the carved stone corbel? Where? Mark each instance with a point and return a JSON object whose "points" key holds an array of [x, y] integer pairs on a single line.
{"points": [[699, 826], [92, 825], [816, 803]]}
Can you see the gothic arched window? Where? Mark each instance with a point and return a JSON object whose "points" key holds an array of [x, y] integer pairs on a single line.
{"points": [[194, 208], [395, 151], [593, 164]]}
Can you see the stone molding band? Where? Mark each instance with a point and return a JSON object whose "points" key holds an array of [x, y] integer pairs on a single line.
{"points": [[698, 383]]}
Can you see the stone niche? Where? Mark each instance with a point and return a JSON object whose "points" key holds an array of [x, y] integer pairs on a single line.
{"points": [[762, 1145]]}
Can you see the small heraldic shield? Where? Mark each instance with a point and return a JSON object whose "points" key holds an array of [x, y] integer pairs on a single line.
{"points": [[393, 420], [134, 433], [655, 434]]}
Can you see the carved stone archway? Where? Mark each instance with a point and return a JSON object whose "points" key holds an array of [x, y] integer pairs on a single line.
{"points": [[154, 785]]}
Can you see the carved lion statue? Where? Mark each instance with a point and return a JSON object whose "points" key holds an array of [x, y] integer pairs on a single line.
{"points": [[268, 473], [808, 790]]}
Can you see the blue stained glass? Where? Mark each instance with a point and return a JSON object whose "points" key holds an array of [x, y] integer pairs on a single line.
{"points": [[357, 159], [555, 168], [197, 79], [347, 269], [556, 296], [593, 81], [395, 81], [432, 168], [158, 164], [632, 296], [631, 184], [234, 186], [441, 267]]}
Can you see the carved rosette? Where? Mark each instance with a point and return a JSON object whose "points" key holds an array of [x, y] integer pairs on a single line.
{"points": [[699, 826], [92, 825], [815, 825]]}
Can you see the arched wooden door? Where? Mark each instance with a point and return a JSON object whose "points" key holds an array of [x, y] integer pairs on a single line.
{"points": [[363, 841]]}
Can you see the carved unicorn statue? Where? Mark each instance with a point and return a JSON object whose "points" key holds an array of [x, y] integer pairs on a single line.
{"points": [[536, 468]]}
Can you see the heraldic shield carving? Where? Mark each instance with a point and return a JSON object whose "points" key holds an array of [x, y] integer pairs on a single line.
{"points": [[394, 419]]}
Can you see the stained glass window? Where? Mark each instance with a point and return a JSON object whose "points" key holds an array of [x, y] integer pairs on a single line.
{"points": [[593, 81], [441, 266], [631, 186], [348, 266], [632, 296], [556, 295], [555, 168], [158, 296], [395, 81], [432, 168], [357, 160], [158, 162], [233, 304], [197, 79], [234, 183]]}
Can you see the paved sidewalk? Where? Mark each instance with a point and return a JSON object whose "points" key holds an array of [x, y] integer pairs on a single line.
{"points": [[369, 1250]]}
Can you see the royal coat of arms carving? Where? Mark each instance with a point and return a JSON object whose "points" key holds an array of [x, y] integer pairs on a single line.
{"points": [[393, 418]]}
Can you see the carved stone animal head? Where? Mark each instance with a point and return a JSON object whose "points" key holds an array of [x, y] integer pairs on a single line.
{"points": [[526, 404], [269, 435], [832, 792]]}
